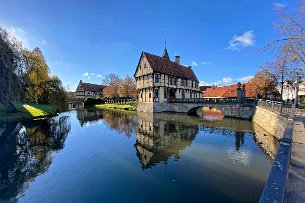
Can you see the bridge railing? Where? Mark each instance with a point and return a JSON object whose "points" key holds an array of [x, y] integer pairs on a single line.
{"points": [[211, 100], [277, 107]]}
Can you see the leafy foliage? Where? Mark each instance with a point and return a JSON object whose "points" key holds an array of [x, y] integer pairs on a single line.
{"points": [[265, 82], [24, 76]]}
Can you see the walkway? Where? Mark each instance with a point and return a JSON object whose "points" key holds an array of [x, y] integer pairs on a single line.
{"points": [[295, 190]]}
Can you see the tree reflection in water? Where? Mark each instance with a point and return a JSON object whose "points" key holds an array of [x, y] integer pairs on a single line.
{"points": [[25, 151], [123, 122]]}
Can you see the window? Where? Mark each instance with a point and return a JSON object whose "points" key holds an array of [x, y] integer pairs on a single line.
{"points": [[165, 93], [145, 65], [182, 82], [149, 95], [140, 66], [141, 95], [172, 81], [185, 83], [157, 77], [156, 93]]}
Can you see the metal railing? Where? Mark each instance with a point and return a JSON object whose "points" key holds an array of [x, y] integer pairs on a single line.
{"points": [[212, 100], [275, 187], [277, 107]]}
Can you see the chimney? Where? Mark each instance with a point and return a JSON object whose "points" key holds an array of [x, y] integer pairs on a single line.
{"points": [[177, 59], [80, 81]]}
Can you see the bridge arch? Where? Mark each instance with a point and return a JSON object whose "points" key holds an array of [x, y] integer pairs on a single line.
{"points": [[206, 108]]}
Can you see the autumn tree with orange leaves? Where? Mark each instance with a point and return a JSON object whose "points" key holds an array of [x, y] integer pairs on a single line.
{"points": [[127, 88], [265, 82], [118, 87]]}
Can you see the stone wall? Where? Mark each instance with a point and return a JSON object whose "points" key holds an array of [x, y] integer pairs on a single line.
{"points": [[229, 110], [272, 122]]}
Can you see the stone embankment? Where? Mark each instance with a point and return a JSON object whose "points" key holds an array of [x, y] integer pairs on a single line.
{"points": [[272, 122]]}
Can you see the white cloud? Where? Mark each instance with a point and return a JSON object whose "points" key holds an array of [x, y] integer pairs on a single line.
{"points": [[27, 39], [245, 79], [98, 75], [202, 83], [86, 74], [205, 62], [244, 40], [278, 6], [194, 63], [226, 80]]}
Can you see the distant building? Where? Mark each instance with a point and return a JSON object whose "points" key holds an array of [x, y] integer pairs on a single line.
{"points": [[288, 91], [85, 90], [159, 80], [204, 88], [230, 91]]}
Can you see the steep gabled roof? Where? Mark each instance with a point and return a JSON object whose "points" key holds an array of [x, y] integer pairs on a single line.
{"points": [[91, 87], [162, 65]]}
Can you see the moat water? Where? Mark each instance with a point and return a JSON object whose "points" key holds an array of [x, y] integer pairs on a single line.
{"points": [[111, 156]]}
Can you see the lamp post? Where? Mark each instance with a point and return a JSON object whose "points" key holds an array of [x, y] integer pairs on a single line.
{"points": [[296, 89]]}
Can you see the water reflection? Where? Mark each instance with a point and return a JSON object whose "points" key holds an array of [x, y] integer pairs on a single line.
{"points": [[158, 138], [123, 122], [25, 152], [222, 155]]}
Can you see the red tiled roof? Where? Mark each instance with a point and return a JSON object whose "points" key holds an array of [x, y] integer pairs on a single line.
{"points": [[230, 91], [91, 87], [215, 91], [161, 65]]}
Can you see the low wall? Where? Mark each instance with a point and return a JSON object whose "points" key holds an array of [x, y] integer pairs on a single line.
{"points": [[272, 122]]}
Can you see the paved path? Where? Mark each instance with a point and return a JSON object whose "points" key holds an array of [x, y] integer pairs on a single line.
{"points": [[295, 190]]}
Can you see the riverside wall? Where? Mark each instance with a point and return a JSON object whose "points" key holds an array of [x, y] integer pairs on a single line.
{"points": [[272, 122]]}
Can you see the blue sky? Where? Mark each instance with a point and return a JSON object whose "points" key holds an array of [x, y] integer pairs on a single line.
{"points": [[222, 40]]}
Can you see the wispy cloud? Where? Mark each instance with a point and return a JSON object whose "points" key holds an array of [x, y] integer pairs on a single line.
{"points": [[203, 83], [194, 63], [91, 75], [86, 74], [27, 39], [245, 79], [244, 40], [278, 6], [205, 62], [227, 81]]}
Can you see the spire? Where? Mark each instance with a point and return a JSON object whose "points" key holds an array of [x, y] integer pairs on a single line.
{"points": [[165, 54]]}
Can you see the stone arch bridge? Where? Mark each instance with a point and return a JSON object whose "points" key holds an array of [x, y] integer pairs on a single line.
{"points": [[229, 107]]}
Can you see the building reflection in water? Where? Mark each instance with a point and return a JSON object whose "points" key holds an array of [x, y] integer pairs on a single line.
{"points": [[158, 138], [25, 152]]}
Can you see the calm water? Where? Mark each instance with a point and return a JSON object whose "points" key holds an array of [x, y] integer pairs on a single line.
{"points": [[107, 156]]}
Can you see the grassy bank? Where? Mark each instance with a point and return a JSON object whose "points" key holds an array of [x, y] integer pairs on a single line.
{"points": [[126, 107], [26, 111]]}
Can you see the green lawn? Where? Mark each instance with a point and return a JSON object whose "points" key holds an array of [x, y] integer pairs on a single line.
{"points": [[26, 111], [127, 107], [35, 110]]}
